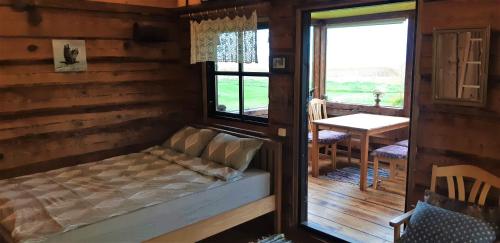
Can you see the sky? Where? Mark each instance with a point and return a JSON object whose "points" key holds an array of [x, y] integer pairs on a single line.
{"points": [[367, 46], [382, 45]]}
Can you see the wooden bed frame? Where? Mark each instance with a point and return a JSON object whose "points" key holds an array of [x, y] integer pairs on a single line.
{"points": [[269, 158]]}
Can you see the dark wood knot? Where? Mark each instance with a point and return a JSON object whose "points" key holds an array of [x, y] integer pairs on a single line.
{"points": [[32, 48], [126, 45], [77, 123]]}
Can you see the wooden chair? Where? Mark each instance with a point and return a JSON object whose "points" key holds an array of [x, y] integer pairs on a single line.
{"points": [[452, 174], [326, 138], [395, 155]]}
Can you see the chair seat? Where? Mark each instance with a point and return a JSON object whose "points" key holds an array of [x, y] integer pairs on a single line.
{"points": [[391, 152], [329, 137], [403, 143]]}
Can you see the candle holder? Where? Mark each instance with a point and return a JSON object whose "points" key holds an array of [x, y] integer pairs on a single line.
{"points": [[378, 95]]}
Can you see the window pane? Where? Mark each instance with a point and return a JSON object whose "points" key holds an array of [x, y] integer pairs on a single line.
{"points": [[366, 58], [256, 96], [227, 94], [262, 53], [226, 67]]}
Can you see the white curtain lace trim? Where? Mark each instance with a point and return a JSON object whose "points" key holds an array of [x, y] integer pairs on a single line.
{"points": [[224, 40]]}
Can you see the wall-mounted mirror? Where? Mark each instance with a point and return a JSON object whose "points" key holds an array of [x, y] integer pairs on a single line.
{"points": [[460, 69]]}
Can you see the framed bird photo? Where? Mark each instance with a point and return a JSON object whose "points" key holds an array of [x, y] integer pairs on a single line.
{"points": [[69, 55]]}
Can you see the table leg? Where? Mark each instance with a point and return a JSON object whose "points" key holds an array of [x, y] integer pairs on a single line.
{"points": [[315, 151], [363, 162]]}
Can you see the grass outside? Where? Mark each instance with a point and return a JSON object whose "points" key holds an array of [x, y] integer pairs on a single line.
{"points": [[361, 93], [256, 92]]}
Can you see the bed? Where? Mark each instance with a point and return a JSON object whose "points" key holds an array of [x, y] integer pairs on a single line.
{"points": [[155, 195]]}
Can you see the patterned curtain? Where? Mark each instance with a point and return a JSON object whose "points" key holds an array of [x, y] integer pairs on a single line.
{"points": [[224, 40]]}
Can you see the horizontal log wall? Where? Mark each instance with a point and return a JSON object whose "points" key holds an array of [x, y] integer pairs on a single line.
{"points": [[280, 16], [132, 95], [449, 134], [282, 93]]}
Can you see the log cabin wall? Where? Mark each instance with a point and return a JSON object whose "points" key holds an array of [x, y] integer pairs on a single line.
{"points": [[282, 91], [131, 97], [448, 134], [444, 134]]}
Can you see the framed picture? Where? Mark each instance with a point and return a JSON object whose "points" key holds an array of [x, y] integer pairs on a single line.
{"points": [[280, 64], [69, 55]]}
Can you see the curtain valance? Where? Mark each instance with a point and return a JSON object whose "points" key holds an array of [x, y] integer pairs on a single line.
{"points": [[225, 40]]}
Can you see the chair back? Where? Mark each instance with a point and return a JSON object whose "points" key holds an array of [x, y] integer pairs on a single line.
{"points": [[316, 110], [458, 172]]}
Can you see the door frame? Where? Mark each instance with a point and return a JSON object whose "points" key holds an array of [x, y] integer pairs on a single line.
{"points": [[301, 93]]}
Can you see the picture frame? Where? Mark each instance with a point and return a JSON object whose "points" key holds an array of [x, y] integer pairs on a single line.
{"points": [[280, 64], [69, 55]]}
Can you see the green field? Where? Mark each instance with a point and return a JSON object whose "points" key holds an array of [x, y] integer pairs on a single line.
{"points": [[362, 93], [256, 93]]}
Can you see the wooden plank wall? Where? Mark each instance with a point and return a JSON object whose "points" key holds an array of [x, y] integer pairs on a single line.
{"points": [[282, 95], [281, 100], [449, 134], [446, 134], [284, 92], [132, 96]]}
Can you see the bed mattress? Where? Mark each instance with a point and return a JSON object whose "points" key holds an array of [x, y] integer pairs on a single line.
{"points": [[156, 220], [127, 198]]}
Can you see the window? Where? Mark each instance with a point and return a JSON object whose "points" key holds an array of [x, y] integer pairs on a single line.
{"points": [[362, 58], [241, 91], [311, 61]]}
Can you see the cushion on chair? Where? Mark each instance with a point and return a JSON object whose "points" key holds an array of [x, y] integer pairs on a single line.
{"points": [[488, 214], [433, 224], [403, 143], [391, 152], [328, 137]]}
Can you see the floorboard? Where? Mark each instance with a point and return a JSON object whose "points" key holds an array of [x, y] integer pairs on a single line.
{"points": [[359, 216]]}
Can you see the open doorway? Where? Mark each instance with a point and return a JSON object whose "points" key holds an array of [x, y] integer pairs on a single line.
{"points": [[359, 99]]}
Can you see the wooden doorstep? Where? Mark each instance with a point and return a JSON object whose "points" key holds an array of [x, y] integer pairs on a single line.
{"points": [[218, 223], [353, 222], [345, 231]]}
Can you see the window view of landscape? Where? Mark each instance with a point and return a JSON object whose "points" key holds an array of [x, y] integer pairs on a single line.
{"points": [[255, 88], [366, 58]]}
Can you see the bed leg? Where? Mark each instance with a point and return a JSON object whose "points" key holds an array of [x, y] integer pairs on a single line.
{"points": [[277, 222], [277, 215]]}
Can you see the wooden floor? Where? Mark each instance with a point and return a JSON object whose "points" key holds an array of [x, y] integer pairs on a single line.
{"points": [[343, 210]]}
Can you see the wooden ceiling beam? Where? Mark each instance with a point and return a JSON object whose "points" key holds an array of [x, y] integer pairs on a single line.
{"points": [[145, 3]]}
